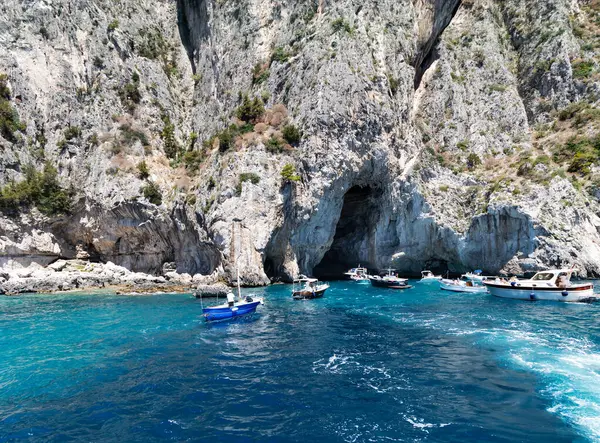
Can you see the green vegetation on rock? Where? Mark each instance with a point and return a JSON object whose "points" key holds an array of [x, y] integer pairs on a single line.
{"points": [[246, 177], [9, 118], [152, 192], [143, 171], [39, 189], [288, 173], [251, 109], [291, 134]]}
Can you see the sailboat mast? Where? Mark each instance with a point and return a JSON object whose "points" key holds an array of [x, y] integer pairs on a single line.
{"points": [[238, 282]]}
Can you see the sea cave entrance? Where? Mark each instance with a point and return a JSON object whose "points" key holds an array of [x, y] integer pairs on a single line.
{"points": [[354, 240]]}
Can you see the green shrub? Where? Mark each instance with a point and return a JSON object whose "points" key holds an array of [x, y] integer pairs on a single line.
{"points": [[541, 160], [192, 139], [340, 24], [291, 134], [444, 188], [143, 171], [130, 135], [152, 192], [168, 137], [280, 55], [130, 94], [473, 161], [582, 162], [9, 121], [588, 147], [112, 26], [4, 89], [288, 174], [193, 160], [246, 177], [462, 145], [152, 45], [583, 69], [40, 189], [251, 109], [498, 88], [260, 74], [72, 132], [274, 145]]}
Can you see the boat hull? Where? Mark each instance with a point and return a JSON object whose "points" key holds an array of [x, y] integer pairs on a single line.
{"points": [[225, 312], [308, 295], [577, 294], [381, 283], [446, 286]]}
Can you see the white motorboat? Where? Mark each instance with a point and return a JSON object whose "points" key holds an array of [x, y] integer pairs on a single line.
{"points": [[358, 274], [308, 288], [428, 277], [552, 285], [477, 276], [462, 286]]}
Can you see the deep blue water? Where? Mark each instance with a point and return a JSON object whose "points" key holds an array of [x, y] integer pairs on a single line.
{"points": [[359, 365]]}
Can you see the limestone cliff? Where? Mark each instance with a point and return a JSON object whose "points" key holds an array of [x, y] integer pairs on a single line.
{"points": [[444, 134]]}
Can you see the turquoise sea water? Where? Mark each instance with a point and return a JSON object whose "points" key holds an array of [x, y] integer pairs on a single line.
{"points": [[359, 365]]}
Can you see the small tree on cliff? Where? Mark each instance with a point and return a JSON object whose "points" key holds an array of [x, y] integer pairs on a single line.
{"points": [[288, 173]]}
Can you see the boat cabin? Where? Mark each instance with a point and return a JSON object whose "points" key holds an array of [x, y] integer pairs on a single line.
{"points": [[427, 274], [555, 277]]}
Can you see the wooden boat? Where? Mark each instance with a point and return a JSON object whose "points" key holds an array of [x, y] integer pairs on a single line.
{"points": [[391, 281], [308, 288], [554, 285]]}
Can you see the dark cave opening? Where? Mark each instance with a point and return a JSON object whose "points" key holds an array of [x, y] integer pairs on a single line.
{"points": [[354, 240]]}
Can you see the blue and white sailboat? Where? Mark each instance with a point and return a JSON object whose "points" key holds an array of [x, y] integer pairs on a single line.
{"points": [[241, 307]]}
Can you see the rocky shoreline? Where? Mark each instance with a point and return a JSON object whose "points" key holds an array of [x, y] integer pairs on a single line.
{"points": [[81, 275]]}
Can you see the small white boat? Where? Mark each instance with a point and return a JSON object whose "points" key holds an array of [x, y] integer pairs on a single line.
{"points": [[461, 286], [428, 277], [552, 285], [358, 274], [477, 276], [308, 288]]}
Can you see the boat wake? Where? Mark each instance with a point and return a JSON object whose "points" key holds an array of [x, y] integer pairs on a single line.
{"points": [[568, 367], [377, 378]]}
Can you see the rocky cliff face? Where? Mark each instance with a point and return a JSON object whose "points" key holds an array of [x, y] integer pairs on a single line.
{"points": [[444, 134]]}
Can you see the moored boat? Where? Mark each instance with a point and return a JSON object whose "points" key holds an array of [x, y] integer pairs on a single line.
{"points": [[428, 277], [477, 276], [358, 274], [461, 286], [309, 288], [226, 312], [391, 281], [232, 308], [553, 285]]}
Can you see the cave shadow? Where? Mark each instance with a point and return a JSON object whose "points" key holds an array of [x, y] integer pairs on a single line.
{"points": [[354, 239]]}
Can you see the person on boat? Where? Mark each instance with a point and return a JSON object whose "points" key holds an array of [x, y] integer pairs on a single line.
{"points": [[561, 281], [230, 299]]}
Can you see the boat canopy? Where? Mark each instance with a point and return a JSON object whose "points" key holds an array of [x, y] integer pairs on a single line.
{"points": [[553, 274], [305, 279]]}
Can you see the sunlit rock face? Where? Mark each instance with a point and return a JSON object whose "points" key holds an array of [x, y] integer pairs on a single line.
{"points": [[425, 134]]}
